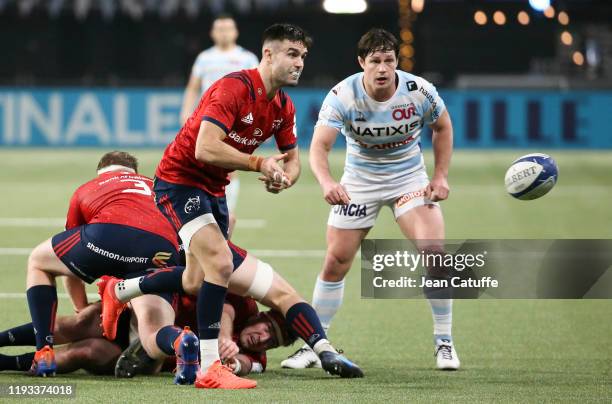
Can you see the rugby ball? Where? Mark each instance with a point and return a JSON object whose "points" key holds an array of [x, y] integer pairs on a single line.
{"points": [[531, 176]]}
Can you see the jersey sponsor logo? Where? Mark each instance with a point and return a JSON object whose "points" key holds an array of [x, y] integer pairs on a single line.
{"points": [[384, 146], [115, 256], [192, 205], [378, 131], [160, 259], [400, 114], [243, 140], [360, 117], [248, 119], [429, 97], [412, 85], [352, 210], [404, 199], [257, 132]]}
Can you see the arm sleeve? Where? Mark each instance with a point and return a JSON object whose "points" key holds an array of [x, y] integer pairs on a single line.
{"points": [[433, 105], [286, 137], [74, 217], [257, 358], [332, 112], [223, 104]]}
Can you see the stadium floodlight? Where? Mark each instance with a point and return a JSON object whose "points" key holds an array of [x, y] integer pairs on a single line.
{"points": [[539, 5], [345, 6]]}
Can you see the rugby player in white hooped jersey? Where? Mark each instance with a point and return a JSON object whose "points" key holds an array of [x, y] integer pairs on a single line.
{"points": [[224, 57], [381, 112]]}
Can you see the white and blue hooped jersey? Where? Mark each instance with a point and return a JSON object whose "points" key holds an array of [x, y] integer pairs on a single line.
{"points": [[213, 63], [382, 137]]}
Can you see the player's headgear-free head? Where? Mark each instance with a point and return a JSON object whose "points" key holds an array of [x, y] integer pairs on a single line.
{"points": [[119, 158], [377, 39], [290, 32], [223, 31], [279, 333]]}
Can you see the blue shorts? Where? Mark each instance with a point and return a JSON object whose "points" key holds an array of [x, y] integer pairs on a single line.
{"points": [[93, 250], [181, 204]]}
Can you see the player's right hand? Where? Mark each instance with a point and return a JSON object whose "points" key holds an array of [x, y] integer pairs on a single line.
{"points": [[227, 349], [270, 166], [335, 193]]}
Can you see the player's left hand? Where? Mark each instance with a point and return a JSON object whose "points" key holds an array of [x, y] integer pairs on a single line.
{"points": [[278, 184], [437, 189]]}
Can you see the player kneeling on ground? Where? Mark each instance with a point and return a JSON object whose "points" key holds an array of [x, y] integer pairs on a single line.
{"points": [[112, 227]]}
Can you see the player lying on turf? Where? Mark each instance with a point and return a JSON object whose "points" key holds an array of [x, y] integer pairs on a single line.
{"points": [[85, 347], [381, 112], [112, 227], [247, 334], [252, 277]]}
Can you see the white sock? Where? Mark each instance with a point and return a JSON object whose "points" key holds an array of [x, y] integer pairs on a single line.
{"points": [[322, 346], [326, 300], [128, 289], [209, 353], [442, 312]]}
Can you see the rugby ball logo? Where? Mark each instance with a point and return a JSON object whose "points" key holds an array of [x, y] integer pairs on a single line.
{"points": [[531, 176]]}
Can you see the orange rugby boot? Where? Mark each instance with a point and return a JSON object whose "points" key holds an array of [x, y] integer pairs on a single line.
{"points": [[219, 376], [112, 307], [44, 362]]}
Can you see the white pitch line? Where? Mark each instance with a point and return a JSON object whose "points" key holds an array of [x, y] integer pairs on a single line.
{"points": [[250, 223], [289, 253], [15, 251], [258, 253], [8, 295], [60, 222], [32, 221]]}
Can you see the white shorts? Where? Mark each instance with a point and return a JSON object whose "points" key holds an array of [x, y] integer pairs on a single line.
{"points": [[362, 212]]}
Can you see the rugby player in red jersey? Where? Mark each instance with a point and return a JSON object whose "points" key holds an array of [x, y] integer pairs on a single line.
{"points": [[247, 335], [234, 116], [112, 228]]}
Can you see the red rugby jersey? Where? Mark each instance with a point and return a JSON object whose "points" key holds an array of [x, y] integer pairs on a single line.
{"points": [[237, 103], [119, 197]]}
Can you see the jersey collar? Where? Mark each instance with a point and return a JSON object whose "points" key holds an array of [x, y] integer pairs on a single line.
{"points": [[115, 167]]}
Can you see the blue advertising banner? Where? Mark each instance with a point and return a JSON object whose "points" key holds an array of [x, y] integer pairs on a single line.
{"points": [[148, 117]]}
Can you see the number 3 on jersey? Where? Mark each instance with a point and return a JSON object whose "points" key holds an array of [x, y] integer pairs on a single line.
{"points": [[140, 187]]}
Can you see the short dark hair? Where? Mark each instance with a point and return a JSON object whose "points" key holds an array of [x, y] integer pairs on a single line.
{"points": [[377, 39], [280, 32], [118, 158]]}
